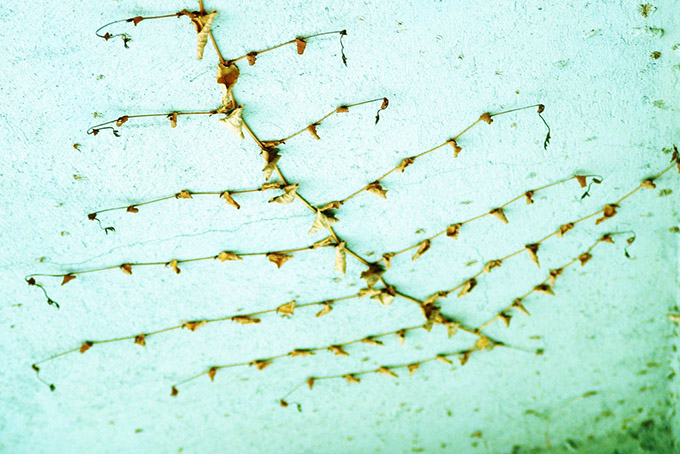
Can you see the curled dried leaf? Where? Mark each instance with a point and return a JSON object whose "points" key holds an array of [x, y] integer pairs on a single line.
{"points": [[340, 258], [434, 297], [230, 200], [372, 274], [544, 288], [184, 194], [609, 211], [444, 359], [499, 214], [193, 326], [330, 206], [67, 278], [422, 248], [554, 274], [126, 268], [301, 352], [529, 195], [453, 230], [352, 379], [517, 304], [491, 265], [386, 371], [505, 318], [370, 341], [377, 189], [268, 186], [136, 20], [245, 319], [464, 357], [486, 117], [532, 250], [86, 346], [412, 368], [648, 184], [324, 220], [467, 288], [328, 241], [301, 45], [252, 57], [387, 258], [451, 328], [327, 307], [456, 148], [174, 392], [581, 180], [227, 75], [405, 163], [564, 229], [286, 309], [174, 265], [431, 313], [279, 259], [385, 296], [312, 130], [132, 209], [234, 122], [283, 403], [583, 258], [271, 157], [173, 119], [121, 120], [202, 23], [141, 340], [226, 255], [288, 196], [338, 350], [92, 216], [483, 343], [211, 373], [401, 334], [260, 364], [541, 108]]}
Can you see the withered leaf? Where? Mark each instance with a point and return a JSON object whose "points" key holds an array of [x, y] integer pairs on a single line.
{"points": [[431, 313], [202, 24], [327, 307], [529, 195], [384, 296], [467, 288], [300, 352], [412, 368], [451, 328], [330, 206], [554, 274], [517, 304], [193, 326], [275, 185], [372, 274], [136, 20], [532, 250], [405, 163], [279, 259], [126, 268], [184, 194], [499, 214], [86, 346], [234, 122], [340, 258], [544, 288], [260, 364], [174, 265], [464, 358], [312, 130], [607, 238], [121, 120], [444, 359], [141, 340], [338, 350], [387, 258], [608, 212], [564, 229], [324, 220], [386, 371], [648, 184], [505, 318], [456, 148], [173, 119], [328, 241], [92, 216], [35, 367], [377, 189], [352, 379], [310, 382], [422, 248], [486, 117], [67, 278], [370, 341], [230, 200], [283, 403], [453, 230], [434, 297], [581, 180], [491, 265], [385, 103], [174, 392], [288, 196], [483, 343], [252, 57], [583, 258], [245, 319], [132, 209], [226, 255], [227, 75], [287, 309], [301, 45], [271, 157], [342, 109], [211, 373], [401, 334]]}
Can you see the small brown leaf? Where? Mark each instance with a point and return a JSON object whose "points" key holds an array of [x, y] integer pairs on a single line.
{"points": [[173, 119], [245, 319], [132, 209], [370, 341], [581, 180], [486, 116], [402, 336], [35, 368], [505, 318], [86, 346], [499, 214], [328, 241], [310, 382], [234, 122], [184, 194], [456, 148], [31, 281], [385, 103], [252, 57], [405, 163], [324, 220], [330, 206], [372, 274], [453, 230], [377, 189], [126, 268], [444, 359], [491, 265], [541, 108], [299, 352], [338, 350], [342, 109], [211, 373], [529, 195], [202, 25], [564, 229], [648, 184], [141, 340], [387, 258], [268, 186], [544, 288], [325, 310], [434, 298], [412, 368], [230, 200], [451, 328], [517, 304], [288, 196], [92, 216], [279, 259], [286, 309], [340, 258], [583, 258], [467, 288], [136, 20], [431, 313], [312, 130], [352, 379], [422, 248], [226, 255], [532, 250], [386, 371], [174, 392], [193, 326], [173, 264], [464, 358], [301, 45], [67, 278], [121, 120], [283, 403], [271, 157], [554, 274], [260, 364], [608, 212]]}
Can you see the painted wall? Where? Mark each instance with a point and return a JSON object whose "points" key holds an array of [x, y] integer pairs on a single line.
{"points": [[613, 111]]}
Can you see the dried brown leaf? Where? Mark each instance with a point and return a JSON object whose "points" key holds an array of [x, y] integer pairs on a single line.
{"points": [[136, 20], [581, 180], [132, 209], [467, 288], [86, 346], [338, 350], [607, 238], [121, 120], [486, 117], [385, 296], [412, 368], [583, 258], [174, 392], [405, 163], [227, 76], [141, 340], [193, 326], [283, 403], [330, 206], [202, 25], [386, 371], [342, 109], [260, 364], [401, 334], [279, 259], [554, 274], [491, 265], [126, 268], [211, 373], [532, 250], [648, 184], [529, 195], [434, 297], [328, 241], [444, 359], [245, 319], [464, 358], [173, 119], [252, 57], [456, 148], [340, 258], [499, 214], [288, 196], [517, 304], [271, 157], [431, 313], [234, 122], [327, 307], [372, 274], [275, 185], [301, 352], [230, 200], [301, 45], [310, 382], [352, 379], [609, 211], [453, 230], [505, 318], [377, 189], [544, 288], [324, 220], [312, 130], [174, 265], [564, 229], [183, 194], [370, 341], [287, 309], [226, 255], [422, 248], [67, 278], [387, 258], [483, 343]]}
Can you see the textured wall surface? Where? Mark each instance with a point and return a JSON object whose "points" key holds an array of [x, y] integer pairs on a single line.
{"points": [[606, 377]]}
